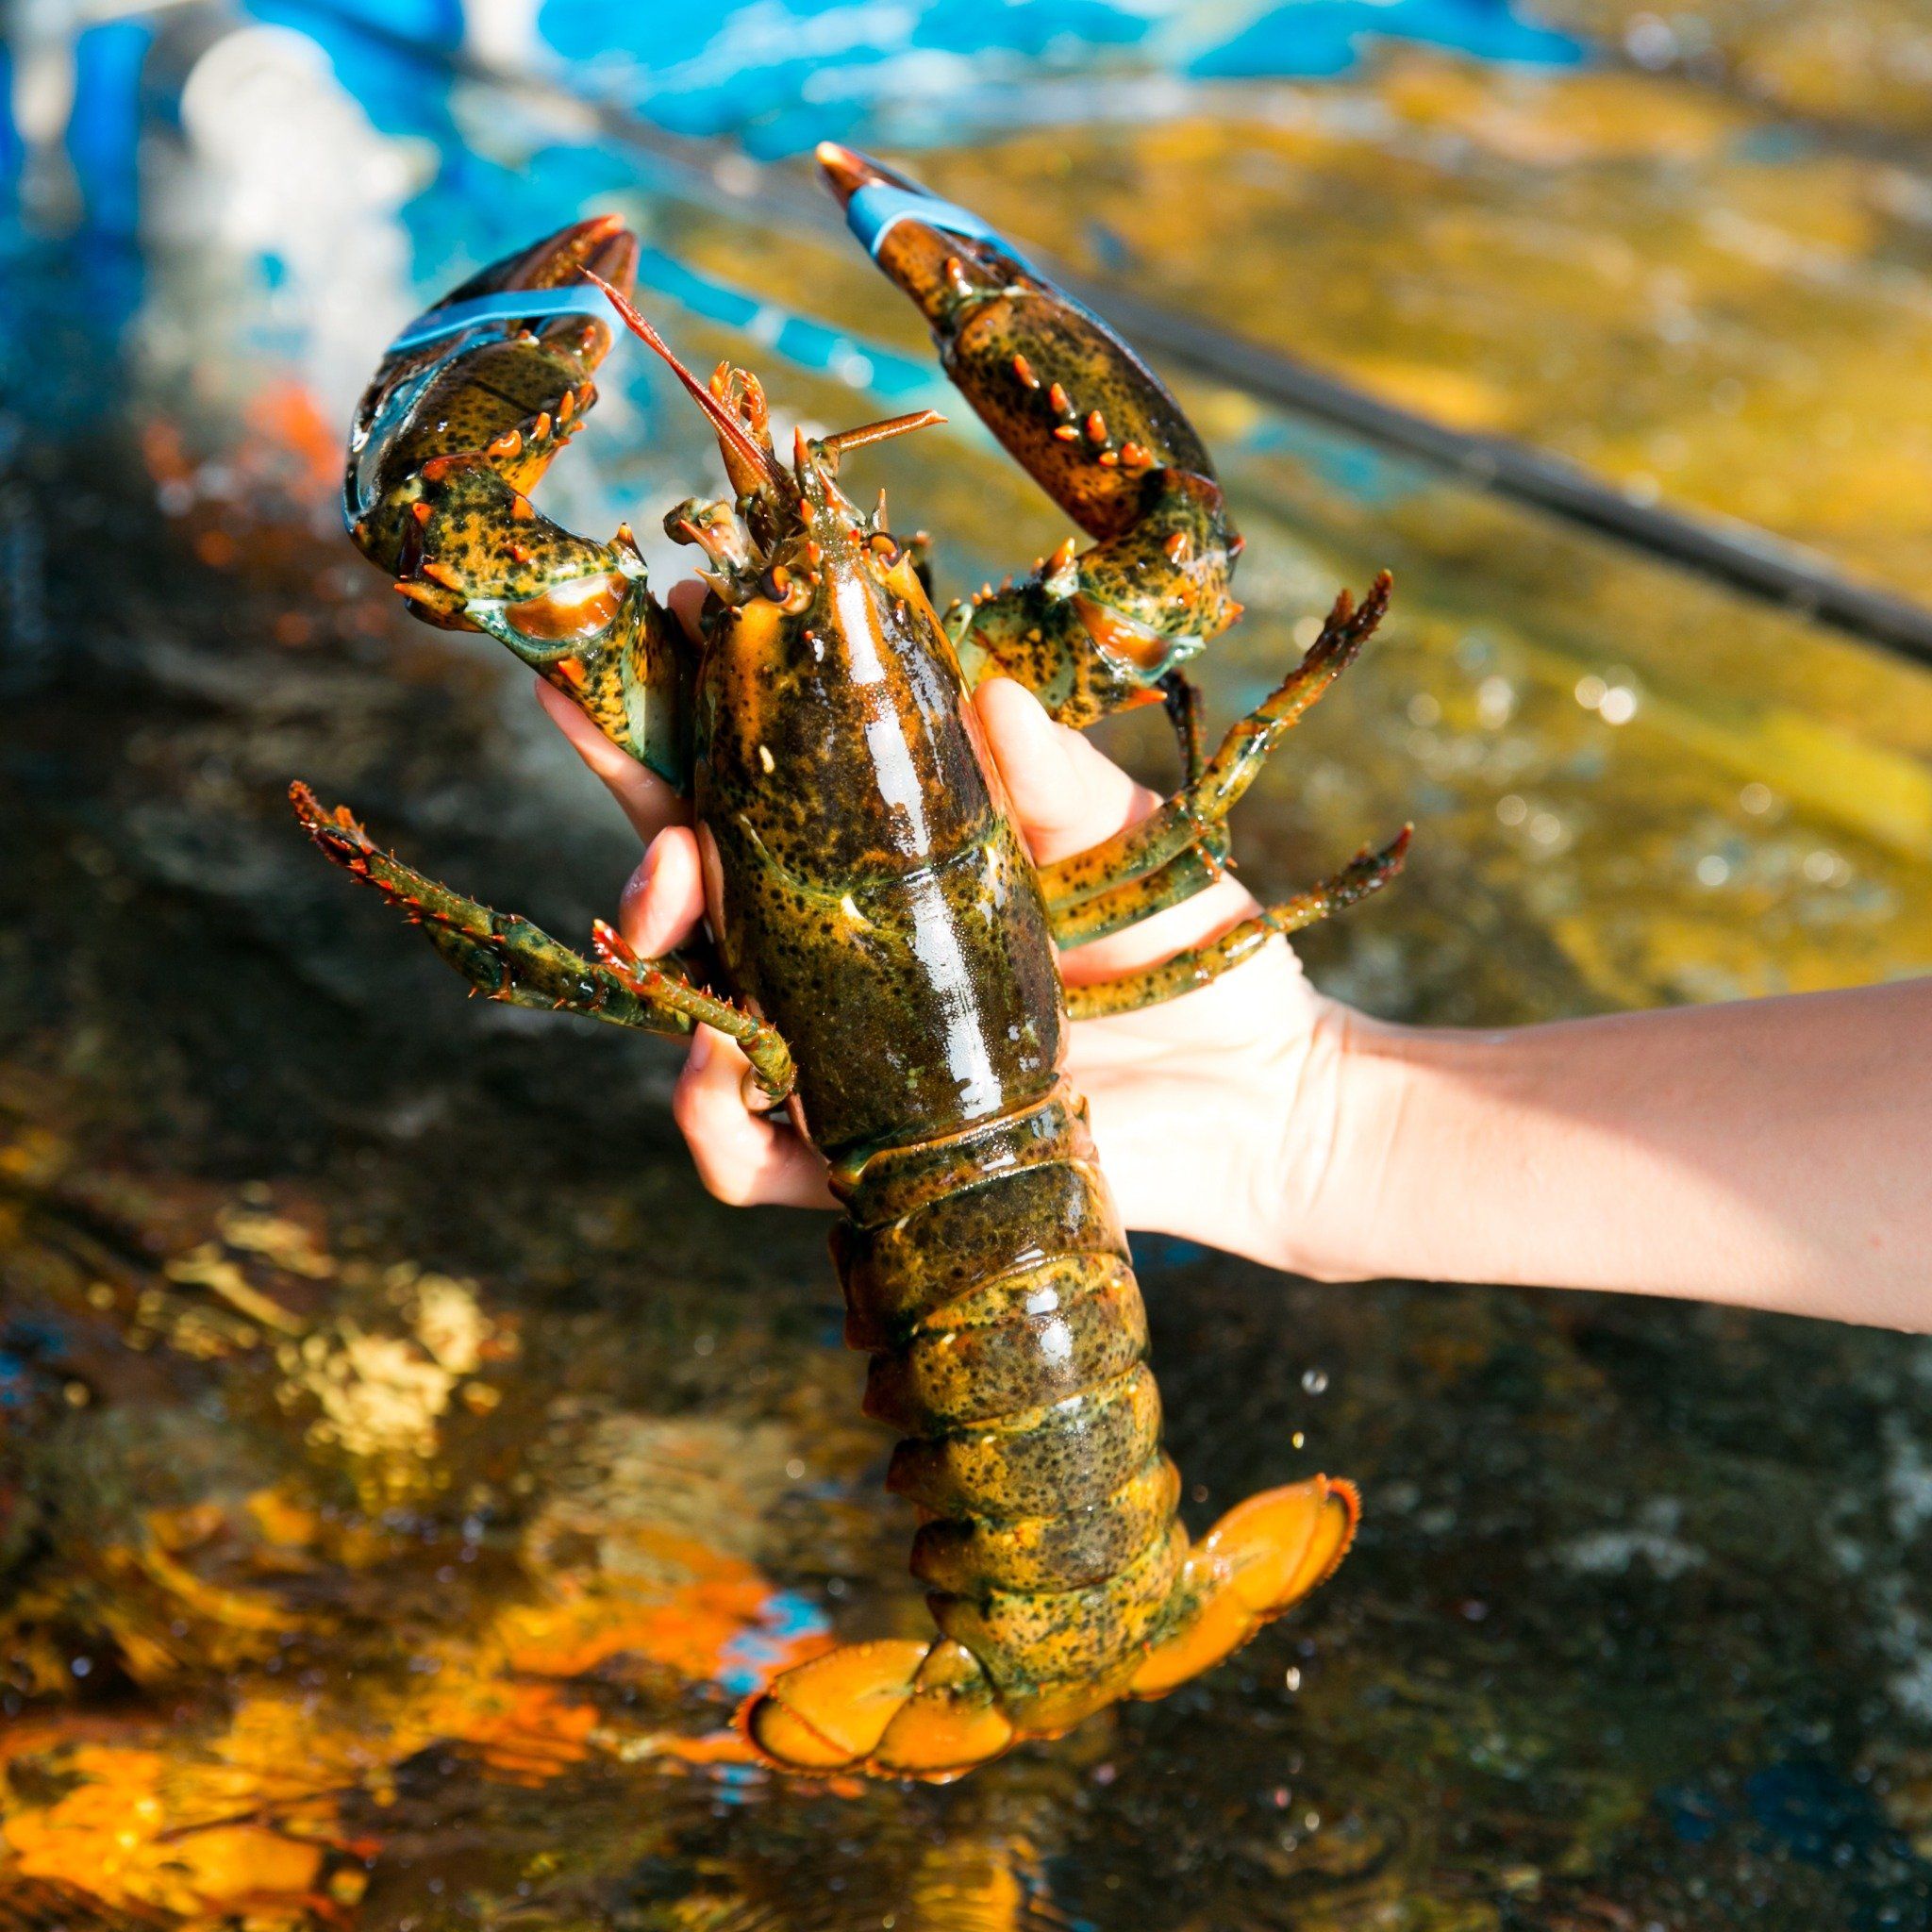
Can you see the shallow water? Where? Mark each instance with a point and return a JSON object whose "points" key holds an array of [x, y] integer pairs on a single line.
{"points": [[406, 1467]]}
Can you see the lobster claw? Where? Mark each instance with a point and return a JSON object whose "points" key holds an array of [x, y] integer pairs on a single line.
{"points": [[1093, 424], [1032, 361], [476, 373], [465, 413]]}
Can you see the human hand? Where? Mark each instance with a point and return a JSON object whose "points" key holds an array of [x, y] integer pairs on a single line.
{"points": [[1214, 1113]]}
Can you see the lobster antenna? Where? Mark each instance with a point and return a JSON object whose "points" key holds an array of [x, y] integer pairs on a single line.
{"points": [[727, 425], [877, 432]]}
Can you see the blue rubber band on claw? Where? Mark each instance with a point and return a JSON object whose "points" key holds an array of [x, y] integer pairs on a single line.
{"points": [[878, 207], [528, 305]]}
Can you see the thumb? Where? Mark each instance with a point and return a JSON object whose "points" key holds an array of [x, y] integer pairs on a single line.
{"points": [[1066, 795]]}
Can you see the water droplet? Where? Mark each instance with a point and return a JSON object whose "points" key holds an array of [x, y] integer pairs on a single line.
{"points": [[1315, 1381], [1619, 705], [1293, 1678]]}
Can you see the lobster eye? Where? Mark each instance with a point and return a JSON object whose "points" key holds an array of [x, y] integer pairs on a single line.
{"points": [[572, 610], [790, 589]]}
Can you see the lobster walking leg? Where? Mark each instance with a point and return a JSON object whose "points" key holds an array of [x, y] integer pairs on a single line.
{"points": [[1196, 966], [1120, 907], [1182, 697], [506, 958], [1183, 846], [1195, 816]]}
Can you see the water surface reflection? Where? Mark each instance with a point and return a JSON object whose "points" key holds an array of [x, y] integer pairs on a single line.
{"points": [[405, 1467]]}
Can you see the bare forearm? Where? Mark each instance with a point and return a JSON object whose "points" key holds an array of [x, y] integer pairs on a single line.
{"points": [[1772, 1153]]}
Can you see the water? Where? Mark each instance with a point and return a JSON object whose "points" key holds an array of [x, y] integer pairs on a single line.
{"points": [[406, 1467]]}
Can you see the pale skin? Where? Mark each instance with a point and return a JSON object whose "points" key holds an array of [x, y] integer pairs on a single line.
{"points": [[1772, 1154]]}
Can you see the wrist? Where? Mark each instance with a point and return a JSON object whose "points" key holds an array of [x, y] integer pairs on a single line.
{"points": [[1341, 1117]]}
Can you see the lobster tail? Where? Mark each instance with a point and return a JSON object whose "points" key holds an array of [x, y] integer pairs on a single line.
{"points": [[987, 1274]]}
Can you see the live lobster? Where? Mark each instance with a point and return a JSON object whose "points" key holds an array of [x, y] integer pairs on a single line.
{"points": [[883, 948]]}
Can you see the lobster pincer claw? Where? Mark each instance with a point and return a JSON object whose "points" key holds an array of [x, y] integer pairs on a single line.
{"points": [[1094, 426], [475, 376], [470, 405]]}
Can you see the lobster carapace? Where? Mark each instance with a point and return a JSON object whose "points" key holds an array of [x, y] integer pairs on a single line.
{"points": [[882, 945]]}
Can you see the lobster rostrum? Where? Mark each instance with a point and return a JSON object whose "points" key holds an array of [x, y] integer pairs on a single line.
{"points": [[882, 945]]}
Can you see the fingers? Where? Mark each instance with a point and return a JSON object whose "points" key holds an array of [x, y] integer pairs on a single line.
{"points": [[645, 798], [686, 600], [1066, 795], [741, 1156], [664, 899]]}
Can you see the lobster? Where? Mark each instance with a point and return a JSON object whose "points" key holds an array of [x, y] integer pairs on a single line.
{"points": [[880, 942]]}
